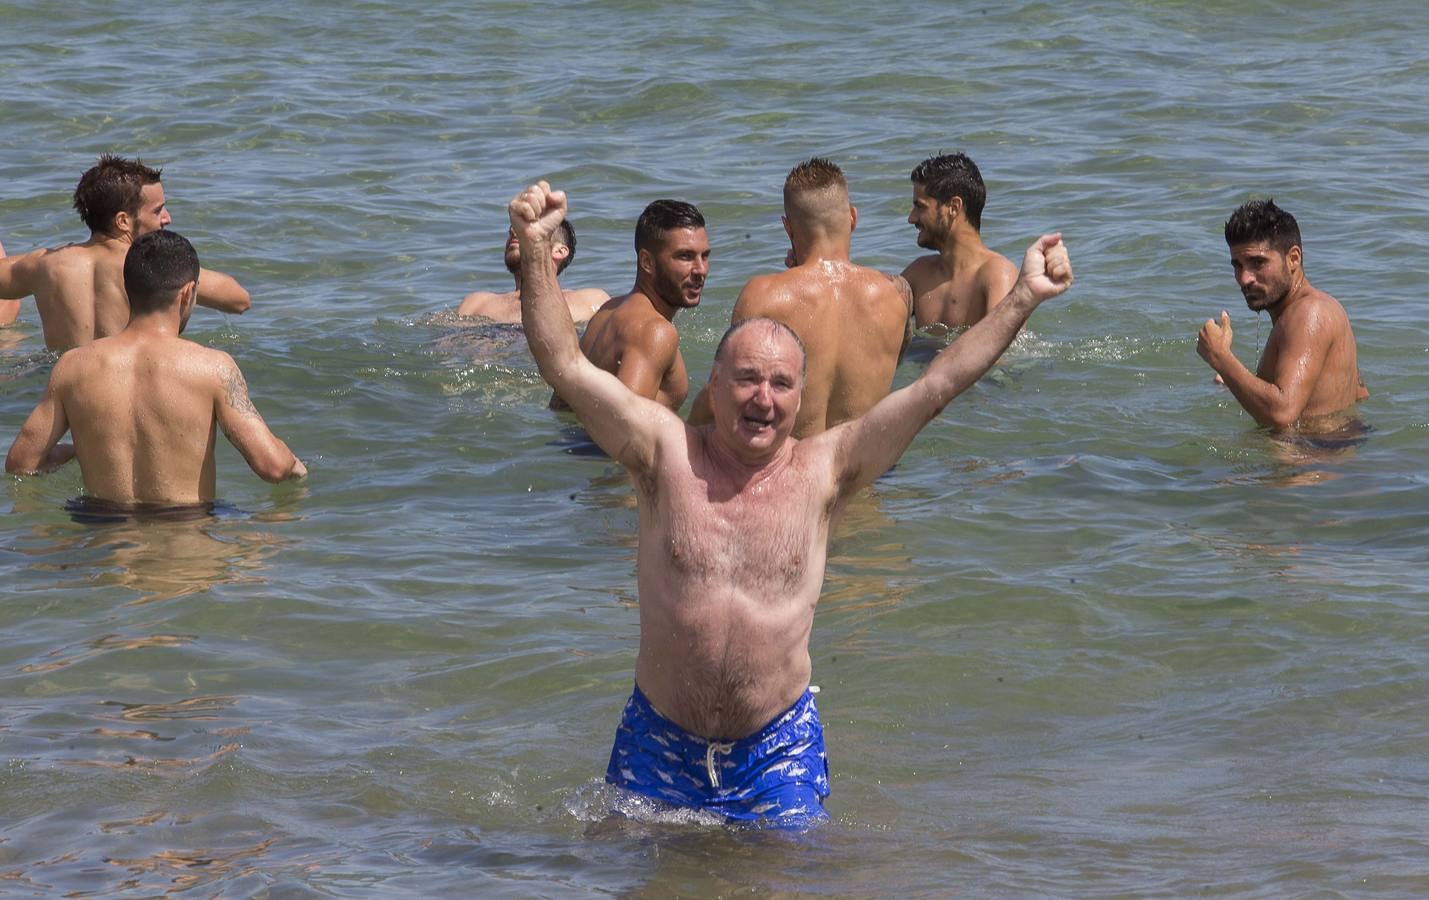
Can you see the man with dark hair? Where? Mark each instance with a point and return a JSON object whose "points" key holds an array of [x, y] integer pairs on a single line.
{"points": [[963, 280], [735, 519], [142, 404], [852, 319], [506, 307], [79, 288], [633, 337], [1309, 368]]}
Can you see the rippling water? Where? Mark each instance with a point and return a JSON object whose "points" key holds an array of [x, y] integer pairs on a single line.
{"points": [[1095, 635]]}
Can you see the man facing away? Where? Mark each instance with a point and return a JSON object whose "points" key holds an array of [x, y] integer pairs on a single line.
{"points": [[963, 280], [142, 404], [79, 288], [633, 337], [852, 320], [1309, 368], [506, 307], [735, 518]]}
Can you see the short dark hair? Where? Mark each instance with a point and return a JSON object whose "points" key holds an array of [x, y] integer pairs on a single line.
{"points": [[950, 175], [156, 266], [110, 187], [662, 216], [777, 325], [1261, 221], [566, 234]]}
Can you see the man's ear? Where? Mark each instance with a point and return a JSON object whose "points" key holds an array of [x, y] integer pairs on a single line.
{"points": [[852, 217], [784, 220], [123, 224], [188, 297], [955, 208], [645, 261], [1296, 257], [560, 252]]}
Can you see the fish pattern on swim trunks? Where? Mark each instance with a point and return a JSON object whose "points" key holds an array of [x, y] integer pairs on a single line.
{"points": [[778, 775]]}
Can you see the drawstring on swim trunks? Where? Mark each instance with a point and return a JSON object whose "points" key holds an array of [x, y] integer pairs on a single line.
{"points": [[711, 748]]}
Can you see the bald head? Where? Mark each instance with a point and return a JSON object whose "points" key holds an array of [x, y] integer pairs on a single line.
{"points": [[764, 327], [816, 197]]}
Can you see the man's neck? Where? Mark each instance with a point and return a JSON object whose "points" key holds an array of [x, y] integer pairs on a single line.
{"points": [[962, 248], [744, 472], [644, 289], [1299, 291], [162, 323], [815, 248]]}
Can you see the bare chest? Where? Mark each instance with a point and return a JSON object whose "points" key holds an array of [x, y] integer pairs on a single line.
{"points": [[769, 534]]}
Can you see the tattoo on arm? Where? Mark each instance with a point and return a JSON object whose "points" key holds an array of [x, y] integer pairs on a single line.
{"points": [[235, 393]]}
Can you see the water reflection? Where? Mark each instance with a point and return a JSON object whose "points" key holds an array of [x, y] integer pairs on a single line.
{"points": [[179, 552]]}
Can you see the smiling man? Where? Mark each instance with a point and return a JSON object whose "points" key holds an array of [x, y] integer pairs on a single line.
{"points": [[79, 288], [735, 518], [1309, 369], [963, 280], [633, 336], [852, 319]]}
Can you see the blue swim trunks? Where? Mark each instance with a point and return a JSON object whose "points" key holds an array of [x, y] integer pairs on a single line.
{"points": [[778, 774]]}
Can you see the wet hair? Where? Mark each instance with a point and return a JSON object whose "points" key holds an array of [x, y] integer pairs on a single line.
{"points": [[662, 216], [156, 266], [813, 175], [566, 234], [770, 323], [110, 187], [950, 175], [1261, 221]]}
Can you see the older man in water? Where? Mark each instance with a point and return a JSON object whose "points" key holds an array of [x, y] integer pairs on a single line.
{"points": [[735, 518], [79, 288], [143, 404], [1309, 369], [853, 320]]}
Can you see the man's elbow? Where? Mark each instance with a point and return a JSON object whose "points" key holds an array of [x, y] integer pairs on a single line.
{"points": [[17, 463], [239, 302], [278, 467]]}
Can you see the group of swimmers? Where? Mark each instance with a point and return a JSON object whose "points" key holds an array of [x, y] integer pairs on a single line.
{"points": [[736, 506]]}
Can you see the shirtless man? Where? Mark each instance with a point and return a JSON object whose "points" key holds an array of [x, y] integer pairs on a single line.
{"points": [[633, 337], [142, 404], [1309, 368], [735, 519], [79, 288], [853, 320], [964, 280], [506, 308]]}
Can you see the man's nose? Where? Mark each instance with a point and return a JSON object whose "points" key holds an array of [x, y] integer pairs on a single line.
{"points": [[702, 266], [1244, 277]]}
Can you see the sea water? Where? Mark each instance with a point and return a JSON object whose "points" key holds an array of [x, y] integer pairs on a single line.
{"points": [[1095, 635]]}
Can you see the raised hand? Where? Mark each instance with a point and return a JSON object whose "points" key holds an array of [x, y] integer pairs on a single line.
{"points": [[1046, 267], [536, 212], [1214, 340]]}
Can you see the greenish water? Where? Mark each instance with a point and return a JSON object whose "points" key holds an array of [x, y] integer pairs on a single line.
{"points": [[1095, 635]]}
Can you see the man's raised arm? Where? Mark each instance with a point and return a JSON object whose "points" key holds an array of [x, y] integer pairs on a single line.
{"points": [[622, 423], [872, 443]]}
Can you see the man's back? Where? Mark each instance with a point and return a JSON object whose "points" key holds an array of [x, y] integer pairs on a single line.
{"points": [[852, 321], [78, 289], [142, 411]]}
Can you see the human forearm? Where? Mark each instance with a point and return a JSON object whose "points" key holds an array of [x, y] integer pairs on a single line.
{"points": [[545, 316], [222, 292], [967, 359]]}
